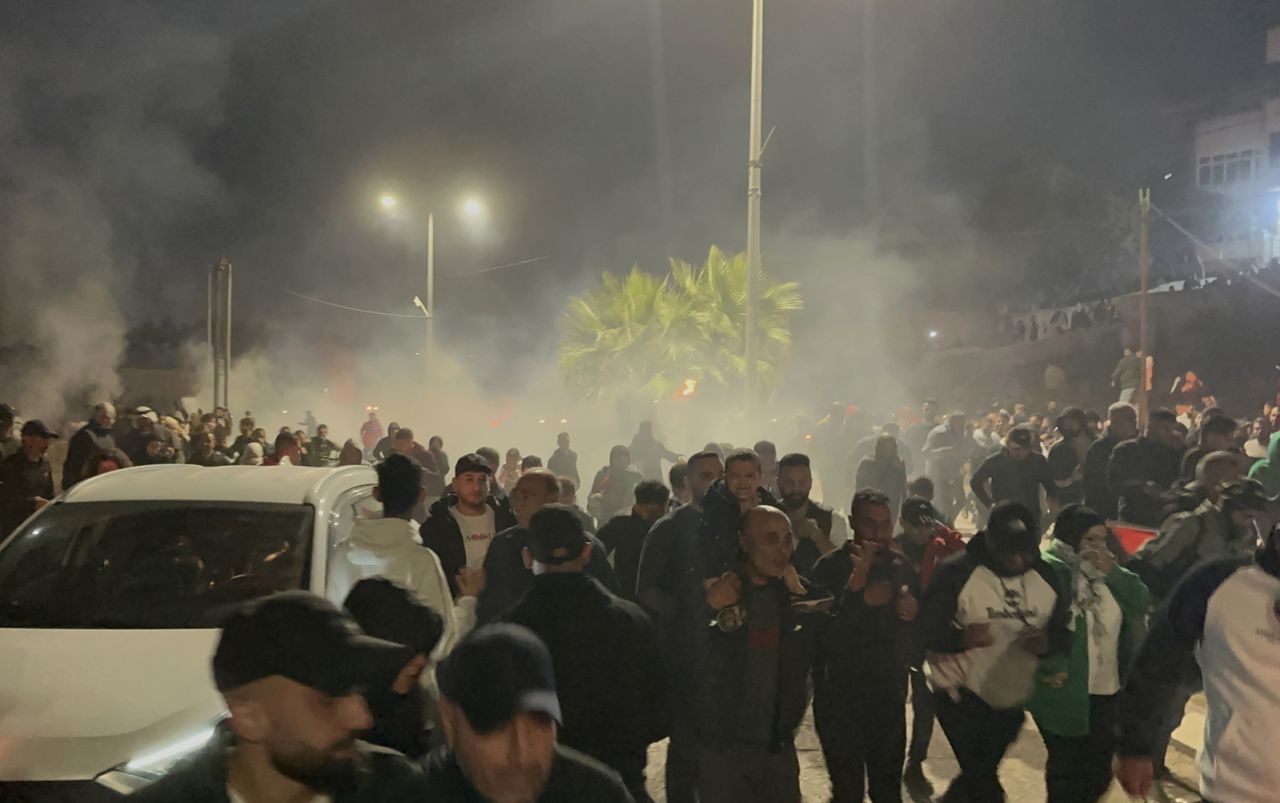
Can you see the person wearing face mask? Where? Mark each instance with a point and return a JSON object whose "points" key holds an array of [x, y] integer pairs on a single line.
{"points": [[390, 612], [988, 617], [1075, 698]]}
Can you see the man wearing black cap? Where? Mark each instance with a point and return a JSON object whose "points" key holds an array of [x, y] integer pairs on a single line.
{"points": [[387, 611], [988, 616], [291, 667], [26, 479], [1015, 474], [461, 525], [499, 712], [8, 443], [507, 573], [604, 649]]}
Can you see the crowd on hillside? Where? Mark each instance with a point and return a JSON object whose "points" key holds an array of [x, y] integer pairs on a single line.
{"points": [[531, 634]]}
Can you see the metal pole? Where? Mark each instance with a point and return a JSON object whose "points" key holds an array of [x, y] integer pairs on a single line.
{"points": [[431, 295], [226, 380], [1144, 269], [870, 117], [215, 284], [753, 200]]}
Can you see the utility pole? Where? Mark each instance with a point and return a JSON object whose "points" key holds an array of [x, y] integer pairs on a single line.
{"points": [[753, 201], [1144, 326], [219, 330], [431, 297], [870, 119]]}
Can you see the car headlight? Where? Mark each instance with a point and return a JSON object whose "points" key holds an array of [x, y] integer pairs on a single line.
{"points": [[150, 765]]}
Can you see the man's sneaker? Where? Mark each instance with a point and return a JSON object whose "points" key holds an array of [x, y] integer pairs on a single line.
{"points": [[916, 783]]}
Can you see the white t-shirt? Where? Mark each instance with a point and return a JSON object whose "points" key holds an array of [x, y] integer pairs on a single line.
{"points": [[477, 534], [1104, 660]]}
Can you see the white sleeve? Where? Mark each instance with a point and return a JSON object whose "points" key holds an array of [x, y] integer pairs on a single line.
{"points": [[839, 530], [431, 588]]}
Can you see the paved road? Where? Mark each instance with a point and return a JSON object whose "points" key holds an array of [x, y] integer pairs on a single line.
{"points": [[1022, 771]]}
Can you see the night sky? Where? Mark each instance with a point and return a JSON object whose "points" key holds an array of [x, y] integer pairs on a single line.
{"points": [[157, 136]]}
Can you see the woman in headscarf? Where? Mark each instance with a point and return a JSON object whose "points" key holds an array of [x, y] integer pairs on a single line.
{"points": [[253, 455], [1075, 699]]}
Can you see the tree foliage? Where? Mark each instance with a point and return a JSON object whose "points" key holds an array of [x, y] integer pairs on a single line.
{"points": [[643, 334]]}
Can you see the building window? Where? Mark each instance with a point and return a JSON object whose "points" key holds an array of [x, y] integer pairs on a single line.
{"points": [[1224, 169]]}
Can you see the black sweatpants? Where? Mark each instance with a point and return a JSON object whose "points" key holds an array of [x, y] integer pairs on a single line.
{"points": [[864, 738], [979, 736], [922, 716], [1079, 767], [682, 759]]}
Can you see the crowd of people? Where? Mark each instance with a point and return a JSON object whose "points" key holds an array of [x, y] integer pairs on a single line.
{"points": [[503, 642]]}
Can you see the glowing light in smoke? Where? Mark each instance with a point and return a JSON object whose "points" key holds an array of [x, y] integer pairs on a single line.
{"points": [[688, 390], [389, 201], [933, 334]]}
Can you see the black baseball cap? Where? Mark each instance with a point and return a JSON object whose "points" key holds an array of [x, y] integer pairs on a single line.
{"points": [[387, 611], [36, 428], [471, 463], [1021, 436], [918, 511], [497, 672], [305, 638], [556, 535]]}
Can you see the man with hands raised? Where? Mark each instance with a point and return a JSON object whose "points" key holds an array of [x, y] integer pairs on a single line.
{"points": [[860, 676]]}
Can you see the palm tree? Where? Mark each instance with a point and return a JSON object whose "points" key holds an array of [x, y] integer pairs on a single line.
{"points": [[643, 334]]}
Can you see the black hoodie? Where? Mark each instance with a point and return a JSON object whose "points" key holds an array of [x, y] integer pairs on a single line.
{"points": [[718, 534]]}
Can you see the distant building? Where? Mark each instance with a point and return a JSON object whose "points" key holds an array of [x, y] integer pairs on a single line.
{"points": [[1237, 155]]}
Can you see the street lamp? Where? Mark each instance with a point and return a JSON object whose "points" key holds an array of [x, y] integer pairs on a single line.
{"points": [[472, 208]]}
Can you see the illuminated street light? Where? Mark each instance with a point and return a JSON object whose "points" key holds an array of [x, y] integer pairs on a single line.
{"points": [[389, 201], [933, 334], [473, 208]]}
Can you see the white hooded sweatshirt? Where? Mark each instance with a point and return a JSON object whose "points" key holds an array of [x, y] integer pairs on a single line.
{"points": [[390, 548]]}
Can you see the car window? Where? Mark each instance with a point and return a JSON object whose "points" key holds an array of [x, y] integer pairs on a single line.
{"points": [[143, 564], [351, 506]]}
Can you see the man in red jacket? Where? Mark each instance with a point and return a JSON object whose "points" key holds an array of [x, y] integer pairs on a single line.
{"points": [[926, 542]]}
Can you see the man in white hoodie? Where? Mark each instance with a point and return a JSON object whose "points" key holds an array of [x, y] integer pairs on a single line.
{"points": [[389, 547]]}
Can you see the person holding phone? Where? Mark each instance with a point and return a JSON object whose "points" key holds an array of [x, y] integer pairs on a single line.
{"points": [[1075, 697], [860, 678]]}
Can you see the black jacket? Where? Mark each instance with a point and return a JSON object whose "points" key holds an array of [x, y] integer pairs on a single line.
{"points": [[88, 440], [1012, 480], [624, 538], [670, 589], [721, 679], [575, 778], [390, 778], [806, 554], [506, 579], [1097, 488], [864, 648], [564, 463], [607, 665], [1135, 463], [21, 481], [441, 534], [718, 535]]}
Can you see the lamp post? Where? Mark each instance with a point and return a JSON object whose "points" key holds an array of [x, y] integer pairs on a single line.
{"points": [[753, 199]]}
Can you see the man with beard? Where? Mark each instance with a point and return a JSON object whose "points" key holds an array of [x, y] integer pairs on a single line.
{"points": [[816, 530], [668, 586], [291, 667], [860, 681], [390, 612], [1144, 469], [90, 439], [500, 713], [1122, 425], [461, 525]]}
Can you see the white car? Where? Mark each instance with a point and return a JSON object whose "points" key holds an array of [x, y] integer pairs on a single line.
{"points": [[109, 602]]}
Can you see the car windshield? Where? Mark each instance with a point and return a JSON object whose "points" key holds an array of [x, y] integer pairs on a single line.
{"points": [[150, 565]]}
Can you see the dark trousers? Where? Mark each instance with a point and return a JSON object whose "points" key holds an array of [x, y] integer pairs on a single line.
{"points": [[682, 759], [921, 717], [745, 774], [1079, 767], [864, 739], [979, 736]]}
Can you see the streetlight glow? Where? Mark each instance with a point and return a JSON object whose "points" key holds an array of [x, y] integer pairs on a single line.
{"points": [[473, 207], [389, 201]]}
